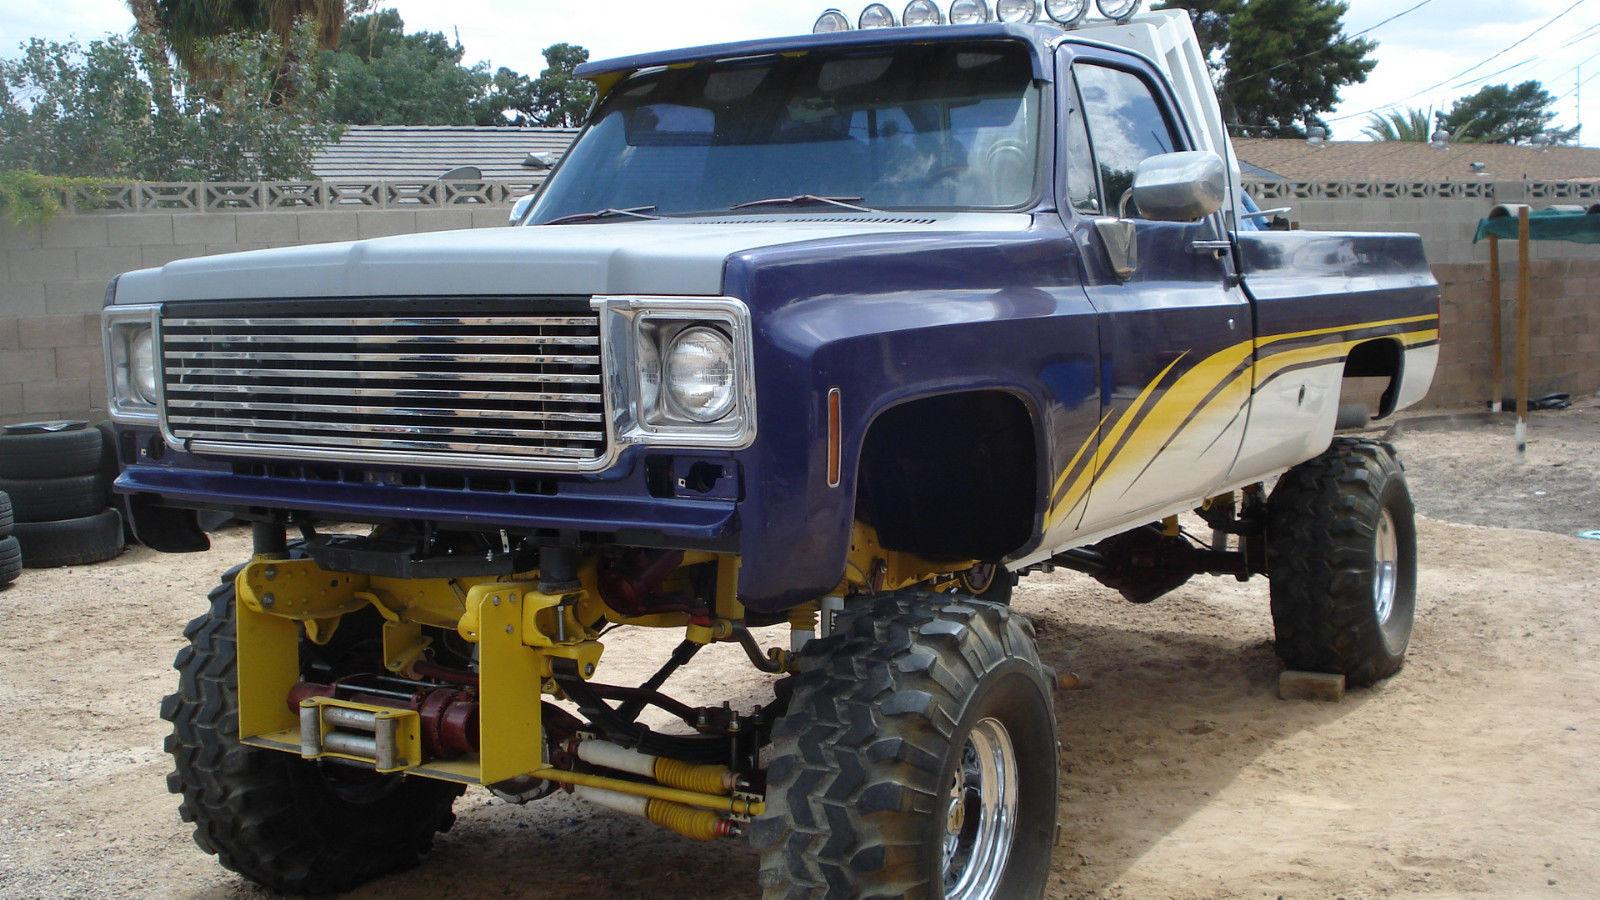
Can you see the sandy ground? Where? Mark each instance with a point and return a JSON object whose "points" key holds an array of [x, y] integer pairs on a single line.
{"points": [[1474, 772]]}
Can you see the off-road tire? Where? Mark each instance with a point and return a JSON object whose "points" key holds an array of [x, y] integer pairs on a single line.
{"points": [[75, 450], [10, 560], [1322, 522], [7, 519], [81, 541], [274, 818], [878, 715], [54, 499]]}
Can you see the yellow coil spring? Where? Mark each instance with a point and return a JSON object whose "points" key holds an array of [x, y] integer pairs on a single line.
{"points": [[695, 824], [705, 779]]}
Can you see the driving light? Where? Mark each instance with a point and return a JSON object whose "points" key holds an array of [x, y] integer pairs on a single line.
{"points": [[922, 12], [830, 22], [969, 12], [142, 365], [876, 16], [700, 374], [1066, 12], [1017, 10], [1118, 10]]}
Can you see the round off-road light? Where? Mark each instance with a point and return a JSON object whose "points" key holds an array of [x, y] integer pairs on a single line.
{"points": [[969, 12], [830, 22], [1017, 10], [1066, 12], [922, 12], [700, 374], [876, 16], [142, 365], [1118, 10]]}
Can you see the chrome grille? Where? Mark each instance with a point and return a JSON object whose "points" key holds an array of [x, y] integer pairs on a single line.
{"points": [[504, 390]]}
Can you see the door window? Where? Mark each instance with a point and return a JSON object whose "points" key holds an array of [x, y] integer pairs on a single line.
{"points": [[1126, 124], [1083, 188]]}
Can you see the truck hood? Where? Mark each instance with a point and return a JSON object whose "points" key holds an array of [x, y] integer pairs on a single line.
{"points": [[670, 256]]}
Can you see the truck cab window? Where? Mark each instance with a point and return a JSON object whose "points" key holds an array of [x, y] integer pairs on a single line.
{"points": [[1083, 188], [1126, 124]]}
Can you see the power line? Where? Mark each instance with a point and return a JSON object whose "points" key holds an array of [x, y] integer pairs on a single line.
{"points": [[1467, 71], [1343, 39]]}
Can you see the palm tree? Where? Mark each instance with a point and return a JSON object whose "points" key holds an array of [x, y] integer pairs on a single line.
{"points": [[1401, 125], [185, 25]]}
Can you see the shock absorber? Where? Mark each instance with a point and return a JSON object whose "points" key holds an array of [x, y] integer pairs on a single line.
{"points": [[704, 779], [695, 824]]}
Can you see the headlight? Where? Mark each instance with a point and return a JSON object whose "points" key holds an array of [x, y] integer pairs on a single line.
{"points": [[133, 385], [876, 16], [830, 22], [1067, 12], [922, 12], [1017, 10], [700, 374], [142, 365], [649, 372], [1120, 10], [969, 12]]}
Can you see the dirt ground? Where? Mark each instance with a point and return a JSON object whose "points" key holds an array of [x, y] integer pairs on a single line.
{"points": [[1474, 772]]}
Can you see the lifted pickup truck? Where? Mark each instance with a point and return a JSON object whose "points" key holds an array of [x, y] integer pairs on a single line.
{"points": [[842, 332]]}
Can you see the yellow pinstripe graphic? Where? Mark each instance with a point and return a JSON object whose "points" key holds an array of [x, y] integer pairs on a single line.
{"points": [[1086, 477], [1181, 406]]}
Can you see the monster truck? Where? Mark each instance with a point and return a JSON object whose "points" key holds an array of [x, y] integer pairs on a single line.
{"points": [[842, 332]]}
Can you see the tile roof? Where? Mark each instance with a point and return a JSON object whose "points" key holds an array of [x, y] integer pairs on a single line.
{"points": [[1414, 161], [404, 151]]}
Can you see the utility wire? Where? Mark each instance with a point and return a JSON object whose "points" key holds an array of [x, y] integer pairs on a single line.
{"points": [[1343, 39], [1467, 71]]}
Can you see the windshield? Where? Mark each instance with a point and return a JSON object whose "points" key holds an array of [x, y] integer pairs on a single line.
{"points": [[920, 127]]}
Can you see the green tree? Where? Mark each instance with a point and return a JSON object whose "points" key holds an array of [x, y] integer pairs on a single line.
{"points": [[110, 109], [1278, 64], [383, 76], [186, 26], [1401, 125], [557, 98], [1503, 114]]}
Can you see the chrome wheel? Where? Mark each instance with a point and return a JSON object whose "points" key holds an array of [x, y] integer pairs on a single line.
{"points": [[1386, 567], [981, 813]]}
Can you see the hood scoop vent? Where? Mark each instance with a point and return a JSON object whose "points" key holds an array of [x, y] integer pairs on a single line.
{"points": [[822, 220]]}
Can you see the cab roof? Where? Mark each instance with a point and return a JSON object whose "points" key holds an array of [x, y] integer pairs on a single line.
{"points": [[607, 73]]}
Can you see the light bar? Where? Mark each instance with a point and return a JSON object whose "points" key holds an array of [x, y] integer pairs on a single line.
{"points": [[1066, 13]]}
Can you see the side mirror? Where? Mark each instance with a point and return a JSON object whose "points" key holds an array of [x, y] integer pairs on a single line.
{"points": [[1180, 187], [519, 210]]}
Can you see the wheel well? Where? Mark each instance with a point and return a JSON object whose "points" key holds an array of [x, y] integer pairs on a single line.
{"points": [[951, 477], [1382, 360]]}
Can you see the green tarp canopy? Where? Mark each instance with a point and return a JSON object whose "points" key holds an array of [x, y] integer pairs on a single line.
{"points": [[1575, 224]]}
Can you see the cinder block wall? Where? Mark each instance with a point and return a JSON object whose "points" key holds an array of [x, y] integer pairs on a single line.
{"points": [[53, 279]]}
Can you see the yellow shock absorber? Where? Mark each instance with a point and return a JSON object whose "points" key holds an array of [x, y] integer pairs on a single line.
{"points": [[705, 779], [695, 824]]}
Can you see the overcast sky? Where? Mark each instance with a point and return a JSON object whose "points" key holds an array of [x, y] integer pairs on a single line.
{"points": [[1435, 42]]}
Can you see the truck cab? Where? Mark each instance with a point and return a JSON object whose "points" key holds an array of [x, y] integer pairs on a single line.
{"points": [[843, 332]]}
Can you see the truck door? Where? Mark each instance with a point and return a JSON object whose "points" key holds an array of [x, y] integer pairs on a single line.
{"points": [[1175, 334]]}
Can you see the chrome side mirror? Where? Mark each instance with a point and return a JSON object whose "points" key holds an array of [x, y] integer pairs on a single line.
{"points": [[1180, 187], [519, 210]]}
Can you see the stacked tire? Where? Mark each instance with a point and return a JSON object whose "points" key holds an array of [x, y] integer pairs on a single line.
{"points": [[57, 476]]}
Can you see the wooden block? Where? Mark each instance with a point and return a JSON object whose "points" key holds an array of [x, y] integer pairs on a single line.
{"points": [[1310, 686]]}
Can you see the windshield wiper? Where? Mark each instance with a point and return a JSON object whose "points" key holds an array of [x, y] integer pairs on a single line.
{"points": [[799, 199], [637, 212]]}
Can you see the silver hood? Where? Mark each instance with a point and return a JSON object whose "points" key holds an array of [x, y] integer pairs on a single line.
{"points": [[671, 256]]}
